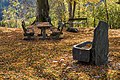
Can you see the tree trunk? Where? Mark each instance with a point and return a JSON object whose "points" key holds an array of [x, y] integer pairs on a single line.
{"points": [[42, 10], [107, 15], [71, 12], [70, 9], [74, 6], [94, 16]]}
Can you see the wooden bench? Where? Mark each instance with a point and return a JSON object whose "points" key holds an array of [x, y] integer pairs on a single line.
{"points": [[95, 52], [28, 32], [73, 19], [78, 19], [56, 33]]}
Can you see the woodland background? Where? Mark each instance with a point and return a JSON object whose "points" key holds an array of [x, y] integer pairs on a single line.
{"points": [[13, 11], [52, 59]]}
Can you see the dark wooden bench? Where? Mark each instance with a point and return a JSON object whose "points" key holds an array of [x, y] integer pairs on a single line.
{"points": [[95, 52], [56, 33], [28, 32], [71, 21], [78, 19]]}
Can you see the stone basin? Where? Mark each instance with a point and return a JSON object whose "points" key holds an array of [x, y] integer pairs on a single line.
{"points": [[81, 51]]}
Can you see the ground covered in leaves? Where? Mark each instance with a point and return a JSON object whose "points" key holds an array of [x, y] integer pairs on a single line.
{"points": [[52, 59]]}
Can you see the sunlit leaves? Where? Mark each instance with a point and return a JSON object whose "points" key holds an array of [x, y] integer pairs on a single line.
{"points": [[93, 1], [52, 59]]}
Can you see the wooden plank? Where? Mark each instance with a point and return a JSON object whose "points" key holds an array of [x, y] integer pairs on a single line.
{"points": [[44, 24], [73, 19]]}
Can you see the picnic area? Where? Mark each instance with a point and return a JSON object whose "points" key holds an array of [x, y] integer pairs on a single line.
{"points": [[52, 59], [59, 40]]}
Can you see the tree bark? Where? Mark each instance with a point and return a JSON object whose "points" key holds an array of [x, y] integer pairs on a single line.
{"points": [[70, 9], [107, 15], [71, 12], [74, 7], [42, 10]]}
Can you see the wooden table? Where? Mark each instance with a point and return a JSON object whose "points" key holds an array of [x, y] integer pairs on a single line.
{"points": [[43, 26]]}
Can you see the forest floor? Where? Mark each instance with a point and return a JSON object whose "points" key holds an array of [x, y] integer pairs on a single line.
{"points": [[52, 59]]}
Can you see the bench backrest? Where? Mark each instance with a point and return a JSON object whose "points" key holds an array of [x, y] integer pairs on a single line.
{"points": [[73, 19], [23, 26], [100, 47]]}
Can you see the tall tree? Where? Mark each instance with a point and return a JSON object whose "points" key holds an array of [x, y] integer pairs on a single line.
{"points": [[107, 15], [71, 7], [42, 10]]}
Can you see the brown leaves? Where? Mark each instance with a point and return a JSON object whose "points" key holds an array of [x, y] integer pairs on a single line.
{"points": [[52, 59]]}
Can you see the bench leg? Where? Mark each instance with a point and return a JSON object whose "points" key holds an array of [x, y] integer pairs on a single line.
{"points": [[28, 38], [43, 33]]}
